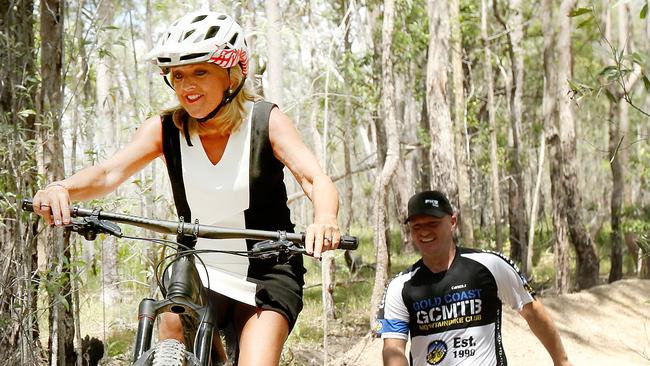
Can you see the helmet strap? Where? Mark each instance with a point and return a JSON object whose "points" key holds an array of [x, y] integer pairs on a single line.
{"points": [[186, 131], [167, 82], [228, 97]]}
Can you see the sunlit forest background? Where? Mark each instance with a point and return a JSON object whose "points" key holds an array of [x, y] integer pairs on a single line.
{"points": [[533, 116]]}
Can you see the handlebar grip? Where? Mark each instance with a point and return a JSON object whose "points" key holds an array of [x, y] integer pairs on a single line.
{"points": [[349, 242], [27, 205]]}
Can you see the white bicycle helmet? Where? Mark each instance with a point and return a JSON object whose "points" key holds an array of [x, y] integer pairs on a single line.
{"points": [[202, 37]]}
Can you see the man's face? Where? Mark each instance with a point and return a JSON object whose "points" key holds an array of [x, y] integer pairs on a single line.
{"points": [[432, 234]]}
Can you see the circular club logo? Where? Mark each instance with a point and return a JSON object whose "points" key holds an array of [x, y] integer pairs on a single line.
{"points": [[437, 350]]}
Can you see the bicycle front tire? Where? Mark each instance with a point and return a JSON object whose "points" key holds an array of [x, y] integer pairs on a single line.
{"points": [[169, 352]]}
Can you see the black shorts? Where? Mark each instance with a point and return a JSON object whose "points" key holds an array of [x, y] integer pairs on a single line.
{"points": [[279, 288]]}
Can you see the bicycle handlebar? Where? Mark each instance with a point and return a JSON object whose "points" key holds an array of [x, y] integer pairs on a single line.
{"points": [[196, 229]]}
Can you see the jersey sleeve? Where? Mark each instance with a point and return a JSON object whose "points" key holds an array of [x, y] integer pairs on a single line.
{"points": [[393, 316], [512, 287]]}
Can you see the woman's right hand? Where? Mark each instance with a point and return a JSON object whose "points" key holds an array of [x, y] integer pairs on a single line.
{"points": [[53, 203]]}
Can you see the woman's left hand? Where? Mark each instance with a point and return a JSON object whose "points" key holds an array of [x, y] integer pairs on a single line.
{"points": [[321, 236]]}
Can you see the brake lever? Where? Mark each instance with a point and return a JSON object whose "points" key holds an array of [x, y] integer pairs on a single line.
{"points": [[90, 226], [280, 249]]}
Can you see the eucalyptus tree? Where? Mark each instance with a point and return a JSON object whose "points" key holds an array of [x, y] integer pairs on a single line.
{"points": [[461, 137], [61, 321], [390, 164], [441, 152], [107, 122], [550, 111], [494, 161], [274, 49], [514, 28], [19, 335], [587, 261]]}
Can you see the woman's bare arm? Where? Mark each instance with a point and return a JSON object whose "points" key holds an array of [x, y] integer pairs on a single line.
{"points": [[101, 179], [289, 148]]}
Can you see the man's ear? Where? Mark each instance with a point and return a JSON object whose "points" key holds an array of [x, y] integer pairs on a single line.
{"points": [[453, 220]]}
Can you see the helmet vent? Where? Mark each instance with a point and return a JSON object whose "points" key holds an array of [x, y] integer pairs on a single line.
{"points": [[192, 56], [199, 18], [233, 40], [188, 34], [222, 17], [164, 59], [212, 32]]}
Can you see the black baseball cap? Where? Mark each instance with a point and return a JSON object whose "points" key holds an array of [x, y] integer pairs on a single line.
{"points": [[433, 203]]}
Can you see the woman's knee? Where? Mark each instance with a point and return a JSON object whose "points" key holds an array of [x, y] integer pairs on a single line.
{"points": [[170, 327]]}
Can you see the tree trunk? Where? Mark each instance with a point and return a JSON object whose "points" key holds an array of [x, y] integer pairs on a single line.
{"points": [[587, 261], [348, 139], [516, 203], [251, 40], [618, 124], [535, 204], [424, 169], [494, 162], [107, 140], [643, 260], [616, 200], [390, 164], [441, 152], [51, 107], [327, 263], [19, 335], [561, 245], [274, 42], [461, 145]]}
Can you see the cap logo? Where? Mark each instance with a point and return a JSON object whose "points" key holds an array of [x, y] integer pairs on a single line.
{"points": [[432, 202]]}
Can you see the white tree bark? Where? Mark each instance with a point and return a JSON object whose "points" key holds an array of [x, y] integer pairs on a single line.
{"points": [[106, 141], [274, 47], [460, 135], [587, 261], [535, 201], [390, 163], [494, 162], [549, 106], [441, 153]]}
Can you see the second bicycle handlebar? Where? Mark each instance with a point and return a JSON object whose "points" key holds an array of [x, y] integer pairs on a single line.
{"points": [[188, 228]]}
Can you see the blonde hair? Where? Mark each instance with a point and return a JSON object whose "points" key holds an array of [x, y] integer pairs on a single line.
{"points": [[230, 117]]}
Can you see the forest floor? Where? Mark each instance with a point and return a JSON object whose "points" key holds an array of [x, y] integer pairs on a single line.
{"points": [[606, 325]]}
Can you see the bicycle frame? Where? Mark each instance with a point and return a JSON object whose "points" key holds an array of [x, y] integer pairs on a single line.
{"points": [[184, 294]]}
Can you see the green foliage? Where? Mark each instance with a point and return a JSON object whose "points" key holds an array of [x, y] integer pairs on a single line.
{"points": [[411, 36], [580, 11], [637, 221], [120, 342]]}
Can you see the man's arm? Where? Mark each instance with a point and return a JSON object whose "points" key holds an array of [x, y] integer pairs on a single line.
{"points": [[544, 329], [394, 352]]}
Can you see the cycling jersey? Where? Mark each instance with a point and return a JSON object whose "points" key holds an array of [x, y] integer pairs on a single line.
{"points": [[245, 189], [454, 317]]}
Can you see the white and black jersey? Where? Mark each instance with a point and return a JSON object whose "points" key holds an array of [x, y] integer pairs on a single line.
{"points": [[454, 317]]}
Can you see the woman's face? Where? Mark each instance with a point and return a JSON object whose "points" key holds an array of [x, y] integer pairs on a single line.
{"points": [[199, 87]]}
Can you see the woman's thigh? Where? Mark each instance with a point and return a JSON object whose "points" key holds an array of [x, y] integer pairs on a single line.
{"points": [[262, 335]]}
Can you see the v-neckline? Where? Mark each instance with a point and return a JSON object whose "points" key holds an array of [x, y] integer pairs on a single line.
{"points": [[207, 155]]}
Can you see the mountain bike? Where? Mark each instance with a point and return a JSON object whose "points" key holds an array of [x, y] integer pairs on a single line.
{"points": [[179, 281]]}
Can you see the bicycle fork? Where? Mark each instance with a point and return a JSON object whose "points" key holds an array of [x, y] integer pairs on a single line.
{"points": [[150, 308]]}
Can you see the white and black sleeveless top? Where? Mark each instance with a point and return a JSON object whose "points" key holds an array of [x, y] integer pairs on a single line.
{"points": [[454, 317], [245, 189]]}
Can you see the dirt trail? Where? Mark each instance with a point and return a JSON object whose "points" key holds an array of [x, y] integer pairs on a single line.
{"points": [[604, 326]]}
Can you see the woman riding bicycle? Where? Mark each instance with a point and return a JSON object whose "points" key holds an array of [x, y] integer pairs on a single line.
{"points": [[225, 151]]}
